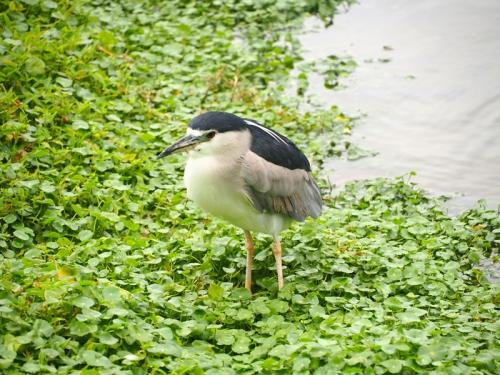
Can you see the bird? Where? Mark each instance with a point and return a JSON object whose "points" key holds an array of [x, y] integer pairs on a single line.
{"points": [[248, 175]]}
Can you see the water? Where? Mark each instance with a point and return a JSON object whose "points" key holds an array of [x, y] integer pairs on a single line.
{"points": [[433, 106]]}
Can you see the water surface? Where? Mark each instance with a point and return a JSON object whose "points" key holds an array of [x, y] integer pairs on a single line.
{"points": [[428, 85]]}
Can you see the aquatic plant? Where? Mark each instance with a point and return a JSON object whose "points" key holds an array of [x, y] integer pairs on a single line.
{"points": [[106, 268]]}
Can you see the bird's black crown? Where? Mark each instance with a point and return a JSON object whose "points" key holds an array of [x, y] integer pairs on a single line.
{"points": [[267, 143], [219, 121]]}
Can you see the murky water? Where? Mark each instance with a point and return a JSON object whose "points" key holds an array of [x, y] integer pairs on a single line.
{"points": [[433, 106]]}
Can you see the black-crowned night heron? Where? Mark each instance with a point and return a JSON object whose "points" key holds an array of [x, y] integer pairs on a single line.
{"points": [[248, 175]]}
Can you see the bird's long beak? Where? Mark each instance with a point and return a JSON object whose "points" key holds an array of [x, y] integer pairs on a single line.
{"points": [[184, 144]]}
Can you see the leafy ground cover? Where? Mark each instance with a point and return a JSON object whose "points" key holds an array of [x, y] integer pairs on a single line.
{"points": [[107, 269]]}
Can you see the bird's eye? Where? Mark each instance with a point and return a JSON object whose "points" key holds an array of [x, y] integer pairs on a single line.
{"points": [[210, 135]]}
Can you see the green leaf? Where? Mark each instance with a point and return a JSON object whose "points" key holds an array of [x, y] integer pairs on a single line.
{"points": [[117, 185], [240, 294], [31, 367], [110, 216], [93, 358], [42, 328], [30, 2], [10, 218], [317, 311], [260, 307], [24, 233], [122, 106], [107, 339], [7, 356], [111, 295], [85, 235], [113, 117], [64, 82], [215, 292], [277, 306], [411, 315], [224, 337], [244, 314], [301, 364], [34, 65], [83, 302], [78, 328], [241, 345], [433, 352], [47, 187], [80, 124], [394, 366], [30, 184]]}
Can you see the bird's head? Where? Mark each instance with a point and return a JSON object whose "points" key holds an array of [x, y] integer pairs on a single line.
{"points": [[212, 133]]}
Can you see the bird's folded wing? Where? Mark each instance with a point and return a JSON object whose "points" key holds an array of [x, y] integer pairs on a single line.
{"points": [[275, 189]]}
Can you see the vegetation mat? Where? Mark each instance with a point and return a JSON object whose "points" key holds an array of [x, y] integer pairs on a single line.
{"points": [[106, 268]]}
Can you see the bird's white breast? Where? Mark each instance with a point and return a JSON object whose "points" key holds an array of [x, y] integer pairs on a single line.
{"points": [[213, 181], [211, 184]]}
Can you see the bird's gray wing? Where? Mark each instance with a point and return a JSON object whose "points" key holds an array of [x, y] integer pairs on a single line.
{"points": [[275, 189]]}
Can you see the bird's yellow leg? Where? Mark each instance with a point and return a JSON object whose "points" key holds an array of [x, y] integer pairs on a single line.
{"points": [[277, 256], [249, 246]]}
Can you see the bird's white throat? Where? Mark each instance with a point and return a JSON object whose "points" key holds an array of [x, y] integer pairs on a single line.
{"points": [[228, 145]]}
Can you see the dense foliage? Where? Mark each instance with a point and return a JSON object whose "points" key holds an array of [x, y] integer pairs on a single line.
{"points": [[106, 268]]}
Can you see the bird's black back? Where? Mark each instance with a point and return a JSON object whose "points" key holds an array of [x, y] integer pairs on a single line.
{"points": [[284, 154]]}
